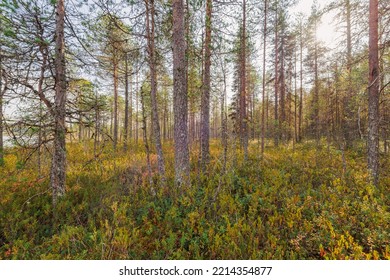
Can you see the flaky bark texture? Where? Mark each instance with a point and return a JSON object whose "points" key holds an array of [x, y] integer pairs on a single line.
{"points": [[58, 165], [205, 101], [373, 96], [182, 162], [153, 80]]}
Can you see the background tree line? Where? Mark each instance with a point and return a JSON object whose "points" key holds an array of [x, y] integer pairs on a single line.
{"points": [[131, 75]]}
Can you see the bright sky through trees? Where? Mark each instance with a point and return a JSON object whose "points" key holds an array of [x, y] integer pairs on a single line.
{"points": [[327, 31]]}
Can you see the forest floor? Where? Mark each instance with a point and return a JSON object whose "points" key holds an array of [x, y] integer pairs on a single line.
{"points": [[294, 203]]}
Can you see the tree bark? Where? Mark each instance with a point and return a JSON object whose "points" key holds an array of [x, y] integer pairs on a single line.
{"points": [[264, 62], [115, 76], [295, 96], [316, 89], [276, 132], [131, 109], [301, 83], [136, 108], [282, 109], [187, 56], [347, 106], [1, 114], [58, 166], [224, 135], [205, 100], [126, 128], [44, 52], [97, 125], [150, 11], [373, 95], [243, 107], [145, 136], [182, 162]]}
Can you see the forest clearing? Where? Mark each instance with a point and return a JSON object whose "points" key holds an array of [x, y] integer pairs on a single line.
{"points": [[186, 129]]}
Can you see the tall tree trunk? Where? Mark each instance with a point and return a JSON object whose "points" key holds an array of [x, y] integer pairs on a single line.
{"points": [[136, 107], [97, 125], [289, 103], [164, 120], [243, 105], [126, 128], [182, 161], [80, 136], [224, 136], [264, 62], [373, 95], [44, 52], [328, 118], [301, 83], [58, 165], [276, 132], [295, 96], [316, 90], [145, 137], [253, 103], [337, 107], [39, 150], [131, 109], [150, 11], [1, 112], [187, 56], [282, 108], [347, 106], [267, 134], [115, 76], [205, 100]]}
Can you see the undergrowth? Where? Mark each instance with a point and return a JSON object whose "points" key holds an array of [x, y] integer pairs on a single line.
{"points": [[299, 203]]}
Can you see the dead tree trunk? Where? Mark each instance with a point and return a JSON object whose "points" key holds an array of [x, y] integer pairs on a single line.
{"points": [[58, 165]]}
